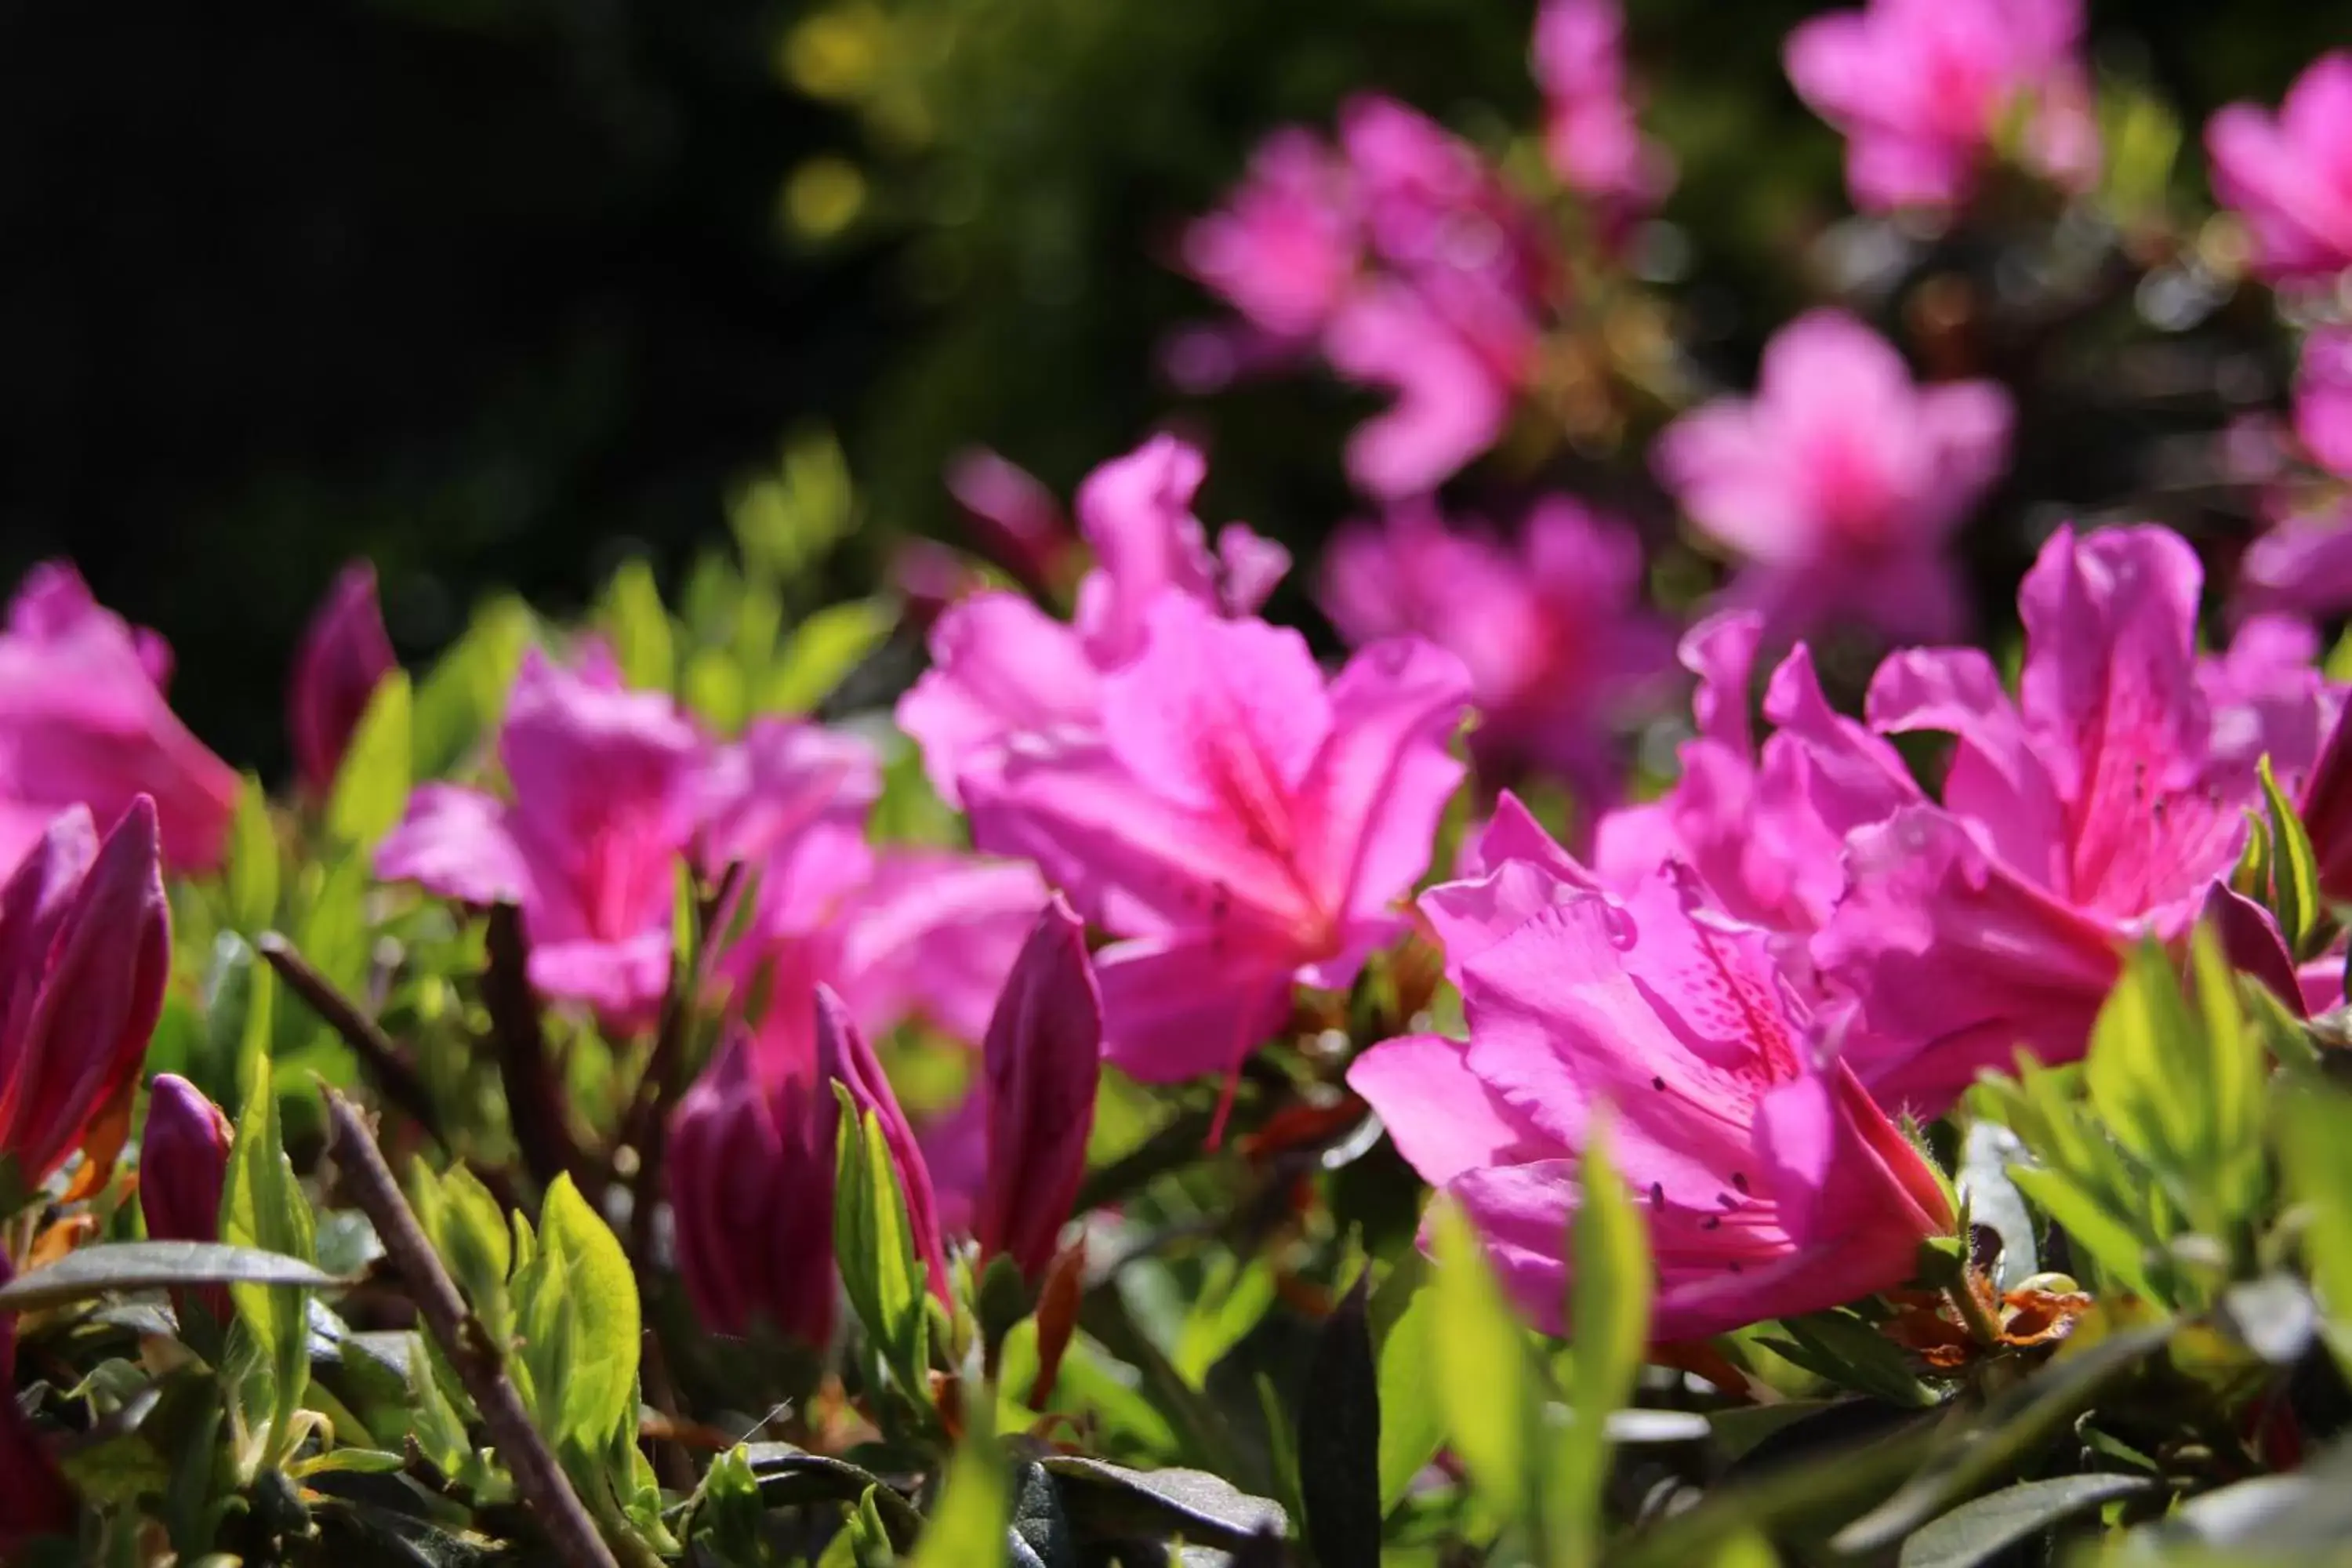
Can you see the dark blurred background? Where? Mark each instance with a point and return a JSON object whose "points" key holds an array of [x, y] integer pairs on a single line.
{"points": [[501, 292]]}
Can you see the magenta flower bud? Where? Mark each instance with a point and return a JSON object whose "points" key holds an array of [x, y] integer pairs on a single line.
{"points": [[85, 953], [343, 656], [750, 1184], [2327, 812], [34, 1499], [182, 1161], [1043, 1062], [1015, 520], [843, 1057], [83, 722]]}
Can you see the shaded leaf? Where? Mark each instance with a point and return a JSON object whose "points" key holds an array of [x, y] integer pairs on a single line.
{"points": [[1977, 1532], [115, 1266], [1339, 1438], [1106, 1500]]}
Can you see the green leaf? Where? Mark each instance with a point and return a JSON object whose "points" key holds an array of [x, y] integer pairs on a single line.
{"points": [[251, 879], [599, 1294], [1108, 1500], [874, 1244], [263, 1207], [1339, 1438], [1485, 1380], [1978, 1531], [469, 1231], [2105, 1239], [783, 522], [2294, 868], [2014, 1426], [823, 649], [463, 697], [110, 1266], [2316, 1142], [1609, 1317], [1233, 1299], [968, 1525], [1412, 1423], [372, 785], [634, 620]]}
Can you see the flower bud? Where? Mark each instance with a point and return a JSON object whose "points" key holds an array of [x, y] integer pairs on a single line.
{"points": [[750, 1175], [182, 1163], [1042, 1064], [843, 1057], [85, 953], [343, 656]]}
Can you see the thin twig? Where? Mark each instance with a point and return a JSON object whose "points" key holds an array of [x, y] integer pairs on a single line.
{"points": [[379, 1058], [480, 1364], [534, 1103]]}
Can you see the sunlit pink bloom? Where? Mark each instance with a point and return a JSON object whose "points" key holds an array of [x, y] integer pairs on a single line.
{"points": [[1014, 518], [1450, 404], [1924, 89], [1771, 1184], [1002, 667], [1552, 627], [1284, 247], [1839, 484], [2323, 394], [83, 722], [35, 1499], [1589, 133], [2290, 175], [604, 794], [1761, 829], [1243, 825], [1040, 1069], [2092, 809], [2303, 565], [182, 1165], [85, 954], [343, 655]]}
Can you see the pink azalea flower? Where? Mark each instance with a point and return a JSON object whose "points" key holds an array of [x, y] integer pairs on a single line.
{"points": [[344, 654], [2290, 177], [1922, 88], [1001, 665], [1772, 1185], [83, 720], [1285, 249], [1840, 483], [603, 786], [1243, 825], [2303, 566], [2269, 696], [2323, 397], [2092, 809], [1590, 135], [1761, 829], [1552, 626], [1450, 404], [85, 954]]}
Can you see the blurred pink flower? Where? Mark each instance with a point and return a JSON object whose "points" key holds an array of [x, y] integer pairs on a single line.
{"points": [[1771, 1184], [85, 955], [1450, 404], [1560, 648], [1001, 665], [2303, 565], [1284, 247], [2322, 394], [2092, 809], [1590, 135], [2290, 175], [603, 786], [1241, 824], [1839, 484], [1924, 88], [344, 654], [2269, 696], [1014, 518], [83, 722]]}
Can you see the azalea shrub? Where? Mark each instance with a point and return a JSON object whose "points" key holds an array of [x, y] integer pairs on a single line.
{"points": [[1704, 1050]]}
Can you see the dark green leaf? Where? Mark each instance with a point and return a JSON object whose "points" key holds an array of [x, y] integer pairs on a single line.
{"points": [[1978, 1531], [263, 1207], [1106, 1499], [1339, 1438], [789, 1476], [114, 1266]]}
